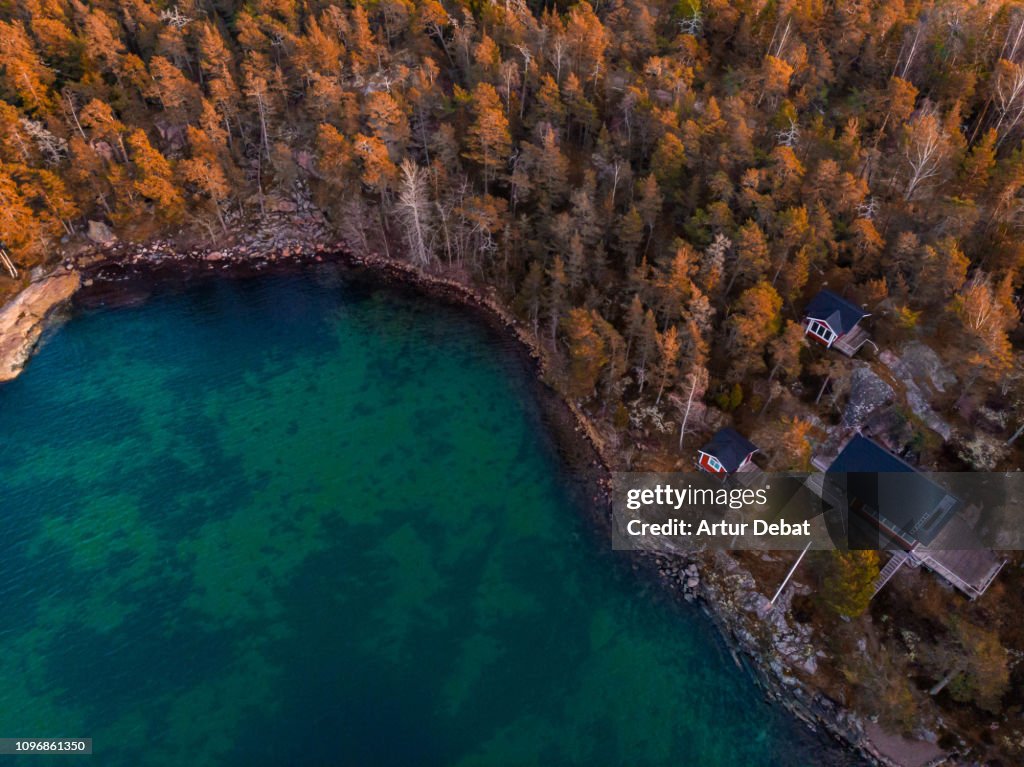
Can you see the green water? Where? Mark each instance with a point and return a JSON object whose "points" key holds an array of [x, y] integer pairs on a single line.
{"points": [[301, 521]]}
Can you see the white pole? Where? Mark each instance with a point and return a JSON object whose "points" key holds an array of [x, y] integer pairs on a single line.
{"points": [[790, 573]]}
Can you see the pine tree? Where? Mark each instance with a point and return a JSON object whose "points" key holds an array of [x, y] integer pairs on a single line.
{"points": [[203, 170], [488, 141], [848, 581], [647, 346], [378, 172], [588, 352], [557, 285], [668, 360], [388, 122], [752, 259], [153, 179], [785, 352], [23, 75], [754, 322], [985, 321], [531, 294], [21, 231]]}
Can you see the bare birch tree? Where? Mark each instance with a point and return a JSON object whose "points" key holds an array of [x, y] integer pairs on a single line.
{"points": [[925, 148], [696, 382], [1009, 97], [414, 212], [908, 52]]}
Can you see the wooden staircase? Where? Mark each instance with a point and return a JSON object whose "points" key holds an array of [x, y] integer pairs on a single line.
{"points": [[896, 561]]}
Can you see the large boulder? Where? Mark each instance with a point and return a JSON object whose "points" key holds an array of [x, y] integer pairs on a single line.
{"points": [[868, 393], [100, 233], [920, 363], [923, 375]]}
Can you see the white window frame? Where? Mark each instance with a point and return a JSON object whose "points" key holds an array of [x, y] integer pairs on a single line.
{"points": [[714, 463], [820, 329]]}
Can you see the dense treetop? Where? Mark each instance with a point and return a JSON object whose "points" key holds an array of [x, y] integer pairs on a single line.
{"points": [[661, 186]]}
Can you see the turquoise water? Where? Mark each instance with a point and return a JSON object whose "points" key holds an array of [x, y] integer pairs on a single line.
{"points": [[301, 521]]}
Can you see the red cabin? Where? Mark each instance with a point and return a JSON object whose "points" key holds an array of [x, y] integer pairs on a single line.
{"points": [[727, 452], [835, 322]]}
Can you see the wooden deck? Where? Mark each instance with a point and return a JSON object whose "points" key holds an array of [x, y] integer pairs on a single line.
{"points": [[958, 556], [850, 343], [749, 474]]}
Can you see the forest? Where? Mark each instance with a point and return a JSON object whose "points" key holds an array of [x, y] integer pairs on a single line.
{"points": [[659, 188], [655, 187]]}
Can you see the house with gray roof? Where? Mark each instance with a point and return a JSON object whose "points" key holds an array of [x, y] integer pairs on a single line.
{"points": [[833, 321], [895, 507]]}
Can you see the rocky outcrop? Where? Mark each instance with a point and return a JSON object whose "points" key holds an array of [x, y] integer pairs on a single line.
{"points": [[784, 652], [23, 319], [923, 376], [100, 234], [868, 393]]}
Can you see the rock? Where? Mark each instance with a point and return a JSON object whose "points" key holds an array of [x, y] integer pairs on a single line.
{"points": [[173, 136], [100, 233], [868, 393], [104, 150], [922, 364], [923, 410], [692, 583], [921, 371], [23, 318], [277, 205]]}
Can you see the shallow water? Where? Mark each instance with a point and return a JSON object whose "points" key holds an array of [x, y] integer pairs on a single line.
{"points": [[303, 521]]}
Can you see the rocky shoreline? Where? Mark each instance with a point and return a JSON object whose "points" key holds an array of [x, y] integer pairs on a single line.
{"points": [[24, 318], [726, 592]]}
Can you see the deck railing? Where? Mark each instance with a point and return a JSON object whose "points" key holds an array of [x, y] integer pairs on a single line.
{"points": [[852, 341], [972, 590]]}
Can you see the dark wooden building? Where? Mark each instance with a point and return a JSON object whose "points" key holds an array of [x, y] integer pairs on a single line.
{"points": [[893, 506]]}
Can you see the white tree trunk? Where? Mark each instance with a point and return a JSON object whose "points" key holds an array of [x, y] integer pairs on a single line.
{"points": [[414, 212]]}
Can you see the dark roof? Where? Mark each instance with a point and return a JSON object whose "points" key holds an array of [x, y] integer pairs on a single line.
{"points": [[840, 314], [899, 496], [730, 448]]}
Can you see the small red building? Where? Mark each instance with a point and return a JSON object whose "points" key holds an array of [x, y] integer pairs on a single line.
{"points": [[835, 322], [727, 452]]}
